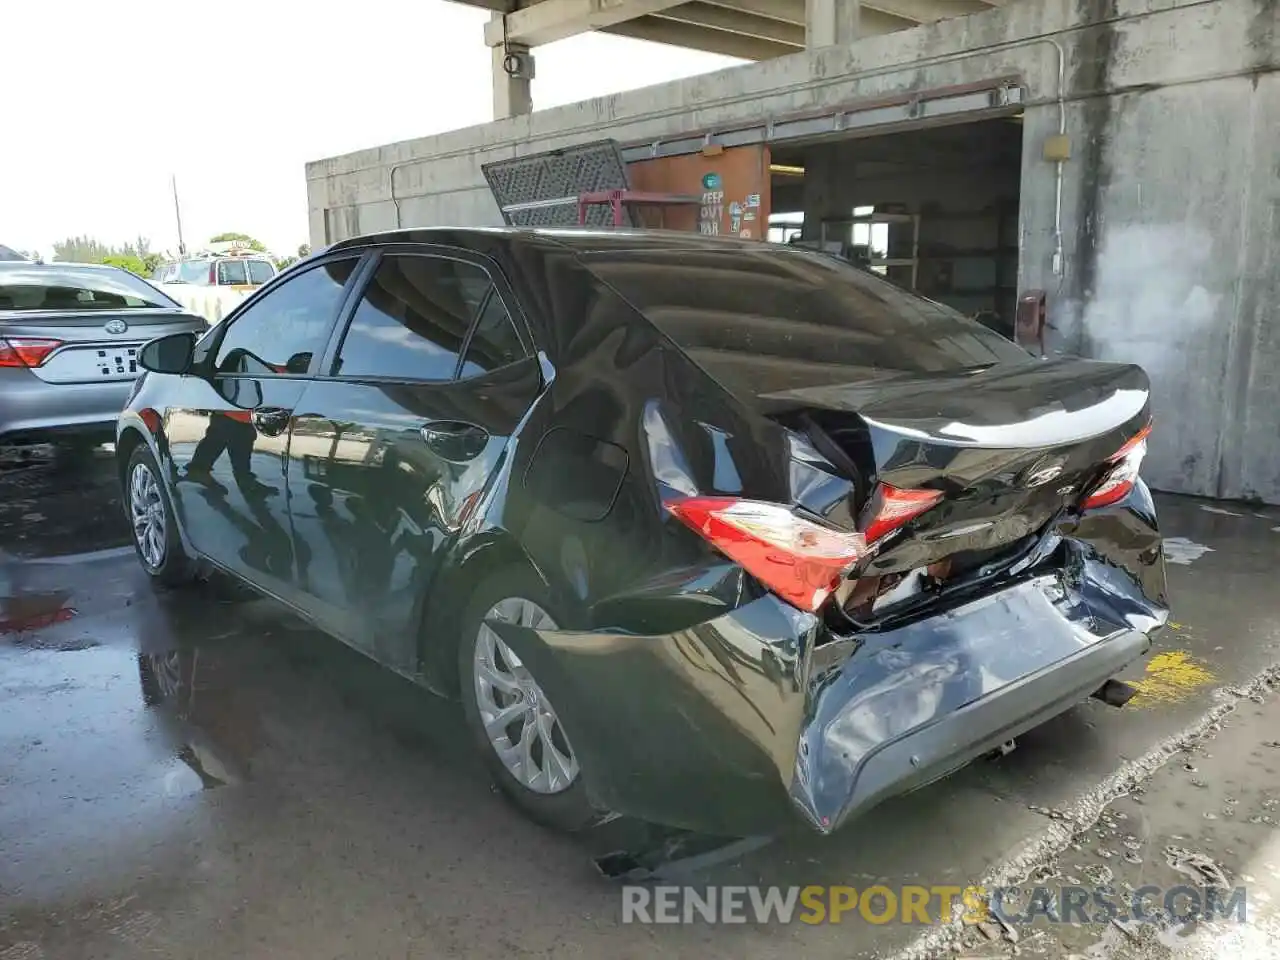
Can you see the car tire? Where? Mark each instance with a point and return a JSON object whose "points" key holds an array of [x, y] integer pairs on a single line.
{"points": [[561, 806], [151, 520]]}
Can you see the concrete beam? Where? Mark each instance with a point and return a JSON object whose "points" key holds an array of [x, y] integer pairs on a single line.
{"points": [[874, 23], [735, 21], [927, 11], [831, 22], [495, 6], [701, 38], [553, 20], [785, 11]]}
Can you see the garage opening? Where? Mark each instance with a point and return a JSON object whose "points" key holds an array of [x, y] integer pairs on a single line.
{"points": [[934, 210]]}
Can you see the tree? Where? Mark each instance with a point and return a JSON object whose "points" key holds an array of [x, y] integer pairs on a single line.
{"points": [[127, 261], [283, 263], [136, 257], [244, 238], [81, 250]]}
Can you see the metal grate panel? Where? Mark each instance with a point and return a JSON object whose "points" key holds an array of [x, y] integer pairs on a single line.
{"points": [[542, 190]]}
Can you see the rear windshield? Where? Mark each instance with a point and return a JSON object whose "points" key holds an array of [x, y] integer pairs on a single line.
{"points": [[794, 305], [59, 287]]}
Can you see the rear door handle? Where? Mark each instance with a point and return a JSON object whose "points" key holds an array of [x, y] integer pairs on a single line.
{"points": [[271, 421], [455, 440]]}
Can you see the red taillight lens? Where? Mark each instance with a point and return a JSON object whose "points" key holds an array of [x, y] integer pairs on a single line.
{"points": [[890, 507], [213, 275], [26, 351], [1119, 481], [799, 560], [1133, 443]]}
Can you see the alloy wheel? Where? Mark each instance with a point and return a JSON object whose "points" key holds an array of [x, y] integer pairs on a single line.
{"points": [[146, 510], [519, 721]]}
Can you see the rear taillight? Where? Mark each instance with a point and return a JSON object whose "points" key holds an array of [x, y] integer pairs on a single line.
{"points": [[890, 507], [799, 560], [26, 351], [213, 275], [1119, 481]]}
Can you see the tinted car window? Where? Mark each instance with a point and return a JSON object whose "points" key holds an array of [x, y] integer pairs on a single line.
{"points": [[232, 272], [280, 331], [494, 343], [260, 271], [56, 287], [412, 319], [794, 306]]}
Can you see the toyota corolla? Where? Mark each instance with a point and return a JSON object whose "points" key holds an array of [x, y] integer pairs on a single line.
{"points": [[715, 533]]}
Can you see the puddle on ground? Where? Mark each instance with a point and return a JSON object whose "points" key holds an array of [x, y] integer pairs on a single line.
{"points": [[1182, 551]]}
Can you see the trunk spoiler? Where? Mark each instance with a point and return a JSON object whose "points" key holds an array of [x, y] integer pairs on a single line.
{"points": [[1009, 406]]}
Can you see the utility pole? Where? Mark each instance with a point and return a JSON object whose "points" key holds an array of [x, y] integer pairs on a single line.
{"points": [[177, 212]]}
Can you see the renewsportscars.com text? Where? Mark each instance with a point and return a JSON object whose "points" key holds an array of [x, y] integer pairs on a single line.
{"points": [[925, 905]]}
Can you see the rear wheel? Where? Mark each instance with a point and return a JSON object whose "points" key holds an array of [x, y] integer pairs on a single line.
{"points": [[155, 532], [515, 726]]}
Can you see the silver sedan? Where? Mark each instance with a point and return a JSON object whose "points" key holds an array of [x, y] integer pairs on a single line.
{"points": [[69, 340]]}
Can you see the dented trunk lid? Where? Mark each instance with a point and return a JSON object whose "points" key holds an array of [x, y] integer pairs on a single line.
{"points": [[1010, 446]]}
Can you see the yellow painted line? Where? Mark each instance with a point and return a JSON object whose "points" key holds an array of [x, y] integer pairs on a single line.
{"points": [[1170, 678]]}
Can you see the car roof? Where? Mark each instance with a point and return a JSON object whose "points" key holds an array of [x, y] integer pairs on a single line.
{"points": [[54, 265], [579, 239]]}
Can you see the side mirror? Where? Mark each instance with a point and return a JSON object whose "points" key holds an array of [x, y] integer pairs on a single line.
{"points": [[171, 354]]}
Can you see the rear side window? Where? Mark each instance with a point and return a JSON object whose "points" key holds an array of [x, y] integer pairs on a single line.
{"points": [[232, 273], [281, 331], [413, 318], [794, 306], [494, 343]]}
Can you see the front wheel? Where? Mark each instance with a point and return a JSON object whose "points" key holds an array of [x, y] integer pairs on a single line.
{"points": [[155, 531], [520, 736]]}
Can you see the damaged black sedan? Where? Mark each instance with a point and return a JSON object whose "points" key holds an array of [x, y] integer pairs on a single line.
{"points": [[714, 533]]}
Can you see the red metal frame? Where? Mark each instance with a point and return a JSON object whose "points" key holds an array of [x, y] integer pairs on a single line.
{"points": [[617, 198]]}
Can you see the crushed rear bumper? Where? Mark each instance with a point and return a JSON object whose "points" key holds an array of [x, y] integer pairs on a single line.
{"points": [[739, 723]]}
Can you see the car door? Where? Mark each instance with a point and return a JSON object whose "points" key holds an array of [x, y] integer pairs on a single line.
{"points": [[228, 429], [394, 444]]}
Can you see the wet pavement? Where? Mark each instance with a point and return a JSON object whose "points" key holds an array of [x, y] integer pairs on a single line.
{"points": [[197, 773]]}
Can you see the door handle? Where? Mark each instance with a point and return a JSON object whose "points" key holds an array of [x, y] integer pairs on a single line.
{"points": [[271, 421], [455, 440]]}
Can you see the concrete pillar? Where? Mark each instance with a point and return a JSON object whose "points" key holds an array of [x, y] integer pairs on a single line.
{"points": [[831, 22], [828, 187], [512, 96]]}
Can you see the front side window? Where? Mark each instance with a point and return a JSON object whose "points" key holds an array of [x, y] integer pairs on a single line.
{"points": [[280, 332], [412, 320]]}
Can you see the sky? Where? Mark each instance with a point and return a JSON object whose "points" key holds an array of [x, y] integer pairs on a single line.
{"points": [[104, 103]]}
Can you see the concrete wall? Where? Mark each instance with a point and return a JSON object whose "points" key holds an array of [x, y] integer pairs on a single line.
{"points": [[1169, 200]]}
